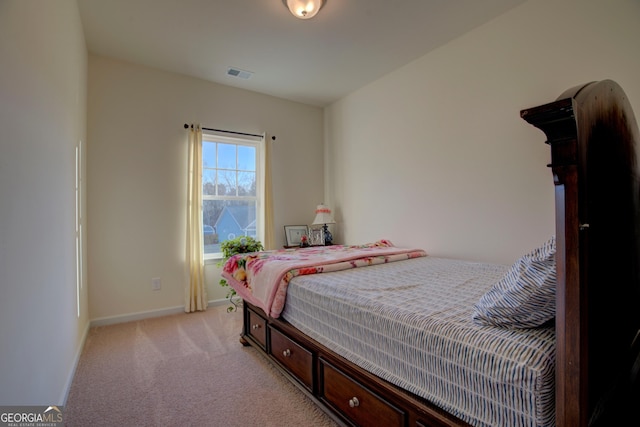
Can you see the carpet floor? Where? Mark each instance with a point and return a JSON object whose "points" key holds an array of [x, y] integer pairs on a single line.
{"points": [[182, 370]]}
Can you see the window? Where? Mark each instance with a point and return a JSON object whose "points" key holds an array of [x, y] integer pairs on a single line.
{"points": [[232, 190], [78, 228]]}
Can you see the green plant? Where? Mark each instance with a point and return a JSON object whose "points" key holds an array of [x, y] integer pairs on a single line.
{"points": [[229, 248]]}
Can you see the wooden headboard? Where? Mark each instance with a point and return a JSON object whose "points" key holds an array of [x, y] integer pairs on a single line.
{"points": [[595, 156]]}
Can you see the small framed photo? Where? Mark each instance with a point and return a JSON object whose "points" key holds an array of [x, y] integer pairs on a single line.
{"points": [[316, 237], [293, 234]]}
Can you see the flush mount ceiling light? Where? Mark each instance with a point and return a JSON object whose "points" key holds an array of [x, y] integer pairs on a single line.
{"points": [[304, 9]]}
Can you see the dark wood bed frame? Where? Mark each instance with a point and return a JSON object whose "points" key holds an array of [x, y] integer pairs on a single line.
{"points": [[595, 163]]}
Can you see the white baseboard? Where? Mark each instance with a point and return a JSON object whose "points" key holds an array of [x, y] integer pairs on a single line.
{"points": [[121, 318]]}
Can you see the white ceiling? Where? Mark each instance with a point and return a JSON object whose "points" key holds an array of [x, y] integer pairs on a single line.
{"points": [[349, 44]]}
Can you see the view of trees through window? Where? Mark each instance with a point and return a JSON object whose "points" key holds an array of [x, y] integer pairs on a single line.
{"points": [[229, 191]]}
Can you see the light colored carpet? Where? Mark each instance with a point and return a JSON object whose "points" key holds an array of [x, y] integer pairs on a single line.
{"points": [[183, 369]]}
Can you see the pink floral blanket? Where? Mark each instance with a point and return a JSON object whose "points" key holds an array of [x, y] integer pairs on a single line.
{"points": [[262, 277]]}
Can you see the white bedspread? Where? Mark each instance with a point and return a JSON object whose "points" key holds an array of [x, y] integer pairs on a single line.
{"points": [[409, 322]]}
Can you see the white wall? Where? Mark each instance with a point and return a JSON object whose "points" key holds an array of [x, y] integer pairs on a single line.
{"points": [[137, 159], [43, 69], [435, 154]]}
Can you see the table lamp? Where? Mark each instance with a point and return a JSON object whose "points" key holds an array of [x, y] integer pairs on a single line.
{"points": [[324, 217]]}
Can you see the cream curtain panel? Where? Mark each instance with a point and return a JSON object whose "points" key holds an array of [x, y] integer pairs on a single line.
{"points": [[269, 238], [195, 295]]}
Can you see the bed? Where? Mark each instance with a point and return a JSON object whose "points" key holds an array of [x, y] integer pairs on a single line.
{"points": [[380, 335]]}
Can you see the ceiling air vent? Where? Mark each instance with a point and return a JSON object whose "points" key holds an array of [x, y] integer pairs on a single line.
{"points": [[241, 74]]}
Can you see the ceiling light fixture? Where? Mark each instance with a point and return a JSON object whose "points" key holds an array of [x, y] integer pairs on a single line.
{"points": [[304, 9]]}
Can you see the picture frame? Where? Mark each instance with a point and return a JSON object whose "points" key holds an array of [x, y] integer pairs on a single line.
{"points": [[316, 236], [293, 234]]}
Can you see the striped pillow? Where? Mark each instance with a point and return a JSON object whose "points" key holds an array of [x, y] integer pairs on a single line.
{"points": [[525, 297]]}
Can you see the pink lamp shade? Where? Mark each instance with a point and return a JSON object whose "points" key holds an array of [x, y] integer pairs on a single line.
{"points": [[323, 216]]}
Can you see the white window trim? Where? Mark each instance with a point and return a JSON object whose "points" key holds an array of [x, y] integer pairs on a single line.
{"points": [[259, 143]]}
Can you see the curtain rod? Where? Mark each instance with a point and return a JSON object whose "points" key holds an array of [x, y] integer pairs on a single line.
{"points": [[186, 126]]}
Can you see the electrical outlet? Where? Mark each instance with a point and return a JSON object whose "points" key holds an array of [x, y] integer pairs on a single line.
{"points": [[156, 285]]}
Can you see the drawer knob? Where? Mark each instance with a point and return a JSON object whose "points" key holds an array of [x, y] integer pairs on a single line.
{"points": [[354, 402], [256, 326], [286, 353]]}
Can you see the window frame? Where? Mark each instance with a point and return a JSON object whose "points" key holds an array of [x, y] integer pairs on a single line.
{"points": [[239, 140], [79, 219]]}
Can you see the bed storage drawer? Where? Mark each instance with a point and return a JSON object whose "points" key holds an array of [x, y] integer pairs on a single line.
{"points": [[356, 402], [295, 358], [256, 326]]}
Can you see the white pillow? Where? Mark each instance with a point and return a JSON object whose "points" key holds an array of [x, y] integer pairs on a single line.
{"points": [[525, 297]]}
